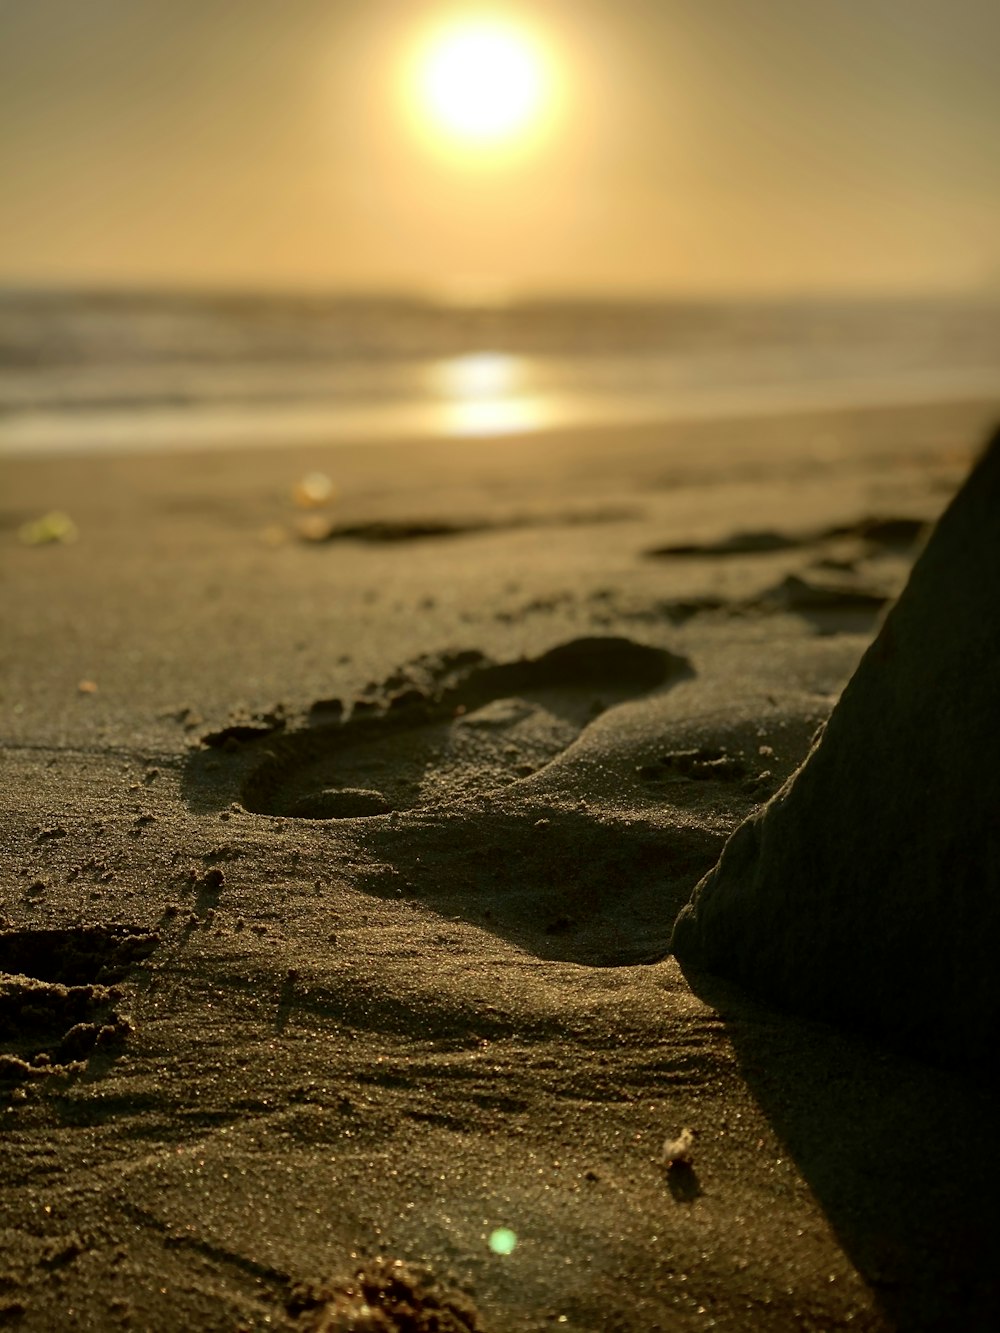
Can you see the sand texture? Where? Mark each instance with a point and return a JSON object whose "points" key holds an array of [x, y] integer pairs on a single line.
{"points": [[341, 853]]}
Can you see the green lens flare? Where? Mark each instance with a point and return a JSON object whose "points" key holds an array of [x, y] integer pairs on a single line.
{"points": [[502, 1241]]}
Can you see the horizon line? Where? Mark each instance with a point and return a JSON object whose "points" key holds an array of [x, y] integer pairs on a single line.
{"points": [[498, 298]]}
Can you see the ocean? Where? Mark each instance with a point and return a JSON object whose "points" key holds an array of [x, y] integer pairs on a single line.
{"points": [[135, 371]]}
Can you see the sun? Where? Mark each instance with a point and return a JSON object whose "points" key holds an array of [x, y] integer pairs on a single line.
{"points": [[482, 82]]}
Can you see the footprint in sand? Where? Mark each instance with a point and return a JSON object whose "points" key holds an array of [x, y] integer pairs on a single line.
{"points": [[59, 992], [433, 748], [456, 727]]}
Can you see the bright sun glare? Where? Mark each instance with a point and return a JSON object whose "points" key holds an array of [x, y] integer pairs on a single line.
{"points": [[482, 81]]}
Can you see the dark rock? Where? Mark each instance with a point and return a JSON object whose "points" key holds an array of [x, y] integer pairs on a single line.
{"points": [[867, 892]]}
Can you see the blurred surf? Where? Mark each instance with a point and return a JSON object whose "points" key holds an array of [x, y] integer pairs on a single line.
{"points": [[140, 371]]}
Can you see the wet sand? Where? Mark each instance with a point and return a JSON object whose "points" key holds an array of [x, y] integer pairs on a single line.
{"points": [[342, 852]]}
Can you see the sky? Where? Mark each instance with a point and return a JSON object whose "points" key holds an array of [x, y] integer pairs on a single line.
{"points": [[688, 147]]}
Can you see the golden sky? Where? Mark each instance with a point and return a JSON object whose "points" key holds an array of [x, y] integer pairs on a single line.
{"points": [[671, 146]]}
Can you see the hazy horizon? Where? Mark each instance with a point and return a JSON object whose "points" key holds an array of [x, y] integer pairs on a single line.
{"points": [[488, 297]]}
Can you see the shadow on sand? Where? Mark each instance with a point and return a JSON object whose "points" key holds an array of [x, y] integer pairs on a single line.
{"points": [[900, 1156]]}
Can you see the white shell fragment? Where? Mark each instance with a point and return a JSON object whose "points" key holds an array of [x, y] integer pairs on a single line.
{"points": [[679, 1149]]}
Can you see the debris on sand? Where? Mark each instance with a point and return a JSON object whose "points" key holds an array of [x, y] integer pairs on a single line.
{"points": [[678, 1151], [55, 527], [384, 1297], [313, 491]]}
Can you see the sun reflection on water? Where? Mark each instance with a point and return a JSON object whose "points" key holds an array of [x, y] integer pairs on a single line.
{"points": [[488, 393]]}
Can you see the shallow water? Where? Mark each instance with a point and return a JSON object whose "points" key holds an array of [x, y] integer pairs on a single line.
{"points": [[131, 372]]}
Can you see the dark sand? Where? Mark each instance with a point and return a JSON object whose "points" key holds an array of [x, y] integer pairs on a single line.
{"points": [[341, 856]]}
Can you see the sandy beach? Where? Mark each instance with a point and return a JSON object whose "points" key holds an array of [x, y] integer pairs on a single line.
{"points": [[341, 853]]}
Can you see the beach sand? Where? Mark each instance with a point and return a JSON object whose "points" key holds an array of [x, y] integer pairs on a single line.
{"points": [[341, 853]]}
